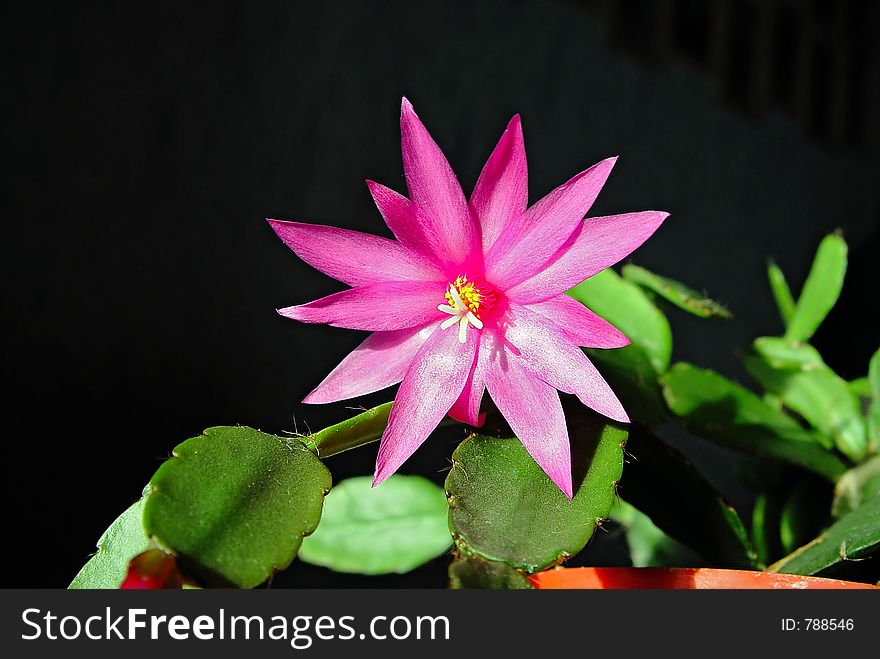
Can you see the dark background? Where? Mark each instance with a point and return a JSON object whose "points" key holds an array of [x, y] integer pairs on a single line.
{"points": [[145, 143]]}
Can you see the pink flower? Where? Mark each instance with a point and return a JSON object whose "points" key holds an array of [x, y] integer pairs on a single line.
{"points": [[471, 297]]}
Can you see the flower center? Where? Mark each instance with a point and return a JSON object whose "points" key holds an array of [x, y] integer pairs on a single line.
{"points": [[466, 300]]}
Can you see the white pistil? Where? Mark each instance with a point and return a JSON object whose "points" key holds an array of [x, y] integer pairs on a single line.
{"points": [[449, 322], [476, 322], [456, 299], [460, 314]]}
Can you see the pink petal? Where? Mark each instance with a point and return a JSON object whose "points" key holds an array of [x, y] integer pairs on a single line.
{"points": [[501, 193], [600, 243], [467, 407], [548, 353], [400, 217], [434, 380], [379, 362], [435, 192], [534, 239], [534, 413], [352, 257], [580, 325], [378, 307]]}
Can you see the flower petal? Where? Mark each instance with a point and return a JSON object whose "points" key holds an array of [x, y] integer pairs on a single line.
{"points": [[600, 243], [354, 258], [534, 413], [398, 213], [467, 408], [380, 361], [534, 239], [579, 324], [381, 307], [435, 192], [431, 385], [547, 352], [501, 193]]}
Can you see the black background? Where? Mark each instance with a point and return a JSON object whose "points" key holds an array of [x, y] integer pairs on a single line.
{"points": [[145, 143]]}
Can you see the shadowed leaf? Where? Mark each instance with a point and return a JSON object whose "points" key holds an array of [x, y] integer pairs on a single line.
{"points": [[715, 408], [476, 572], [648, 545], [660, 482]]}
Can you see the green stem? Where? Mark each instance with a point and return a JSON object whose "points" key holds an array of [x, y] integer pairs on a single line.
{"points": [[362, 429]]}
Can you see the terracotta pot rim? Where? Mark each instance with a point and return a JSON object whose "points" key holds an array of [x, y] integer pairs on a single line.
{"points": [[597, 578]]}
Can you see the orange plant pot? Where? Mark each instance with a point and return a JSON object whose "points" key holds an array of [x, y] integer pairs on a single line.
{"points": [[679, 578]]}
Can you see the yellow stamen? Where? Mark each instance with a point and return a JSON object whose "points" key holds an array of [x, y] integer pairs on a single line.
{"points": [[464, 299], [466, 295]]}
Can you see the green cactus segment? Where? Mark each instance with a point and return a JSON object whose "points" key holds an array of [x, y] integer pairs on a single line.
{"points": [[503, 507], [874, 409], [471, 572], [627, 307], [821, 289], [856, 486], [648, 545], [781, 293], [784, 355], [854, 536], [659, 478], [123, 540], [860, 387], [395, 527], [796, 373], [713, 407], [234, 504], [359, 430], [675, 292]]}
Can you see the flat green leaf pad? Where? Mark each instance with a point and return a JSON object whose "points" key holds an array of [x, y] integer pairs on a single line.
{"points": [[503, 507], [235, 503], [123, 540], [395, 527]]}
